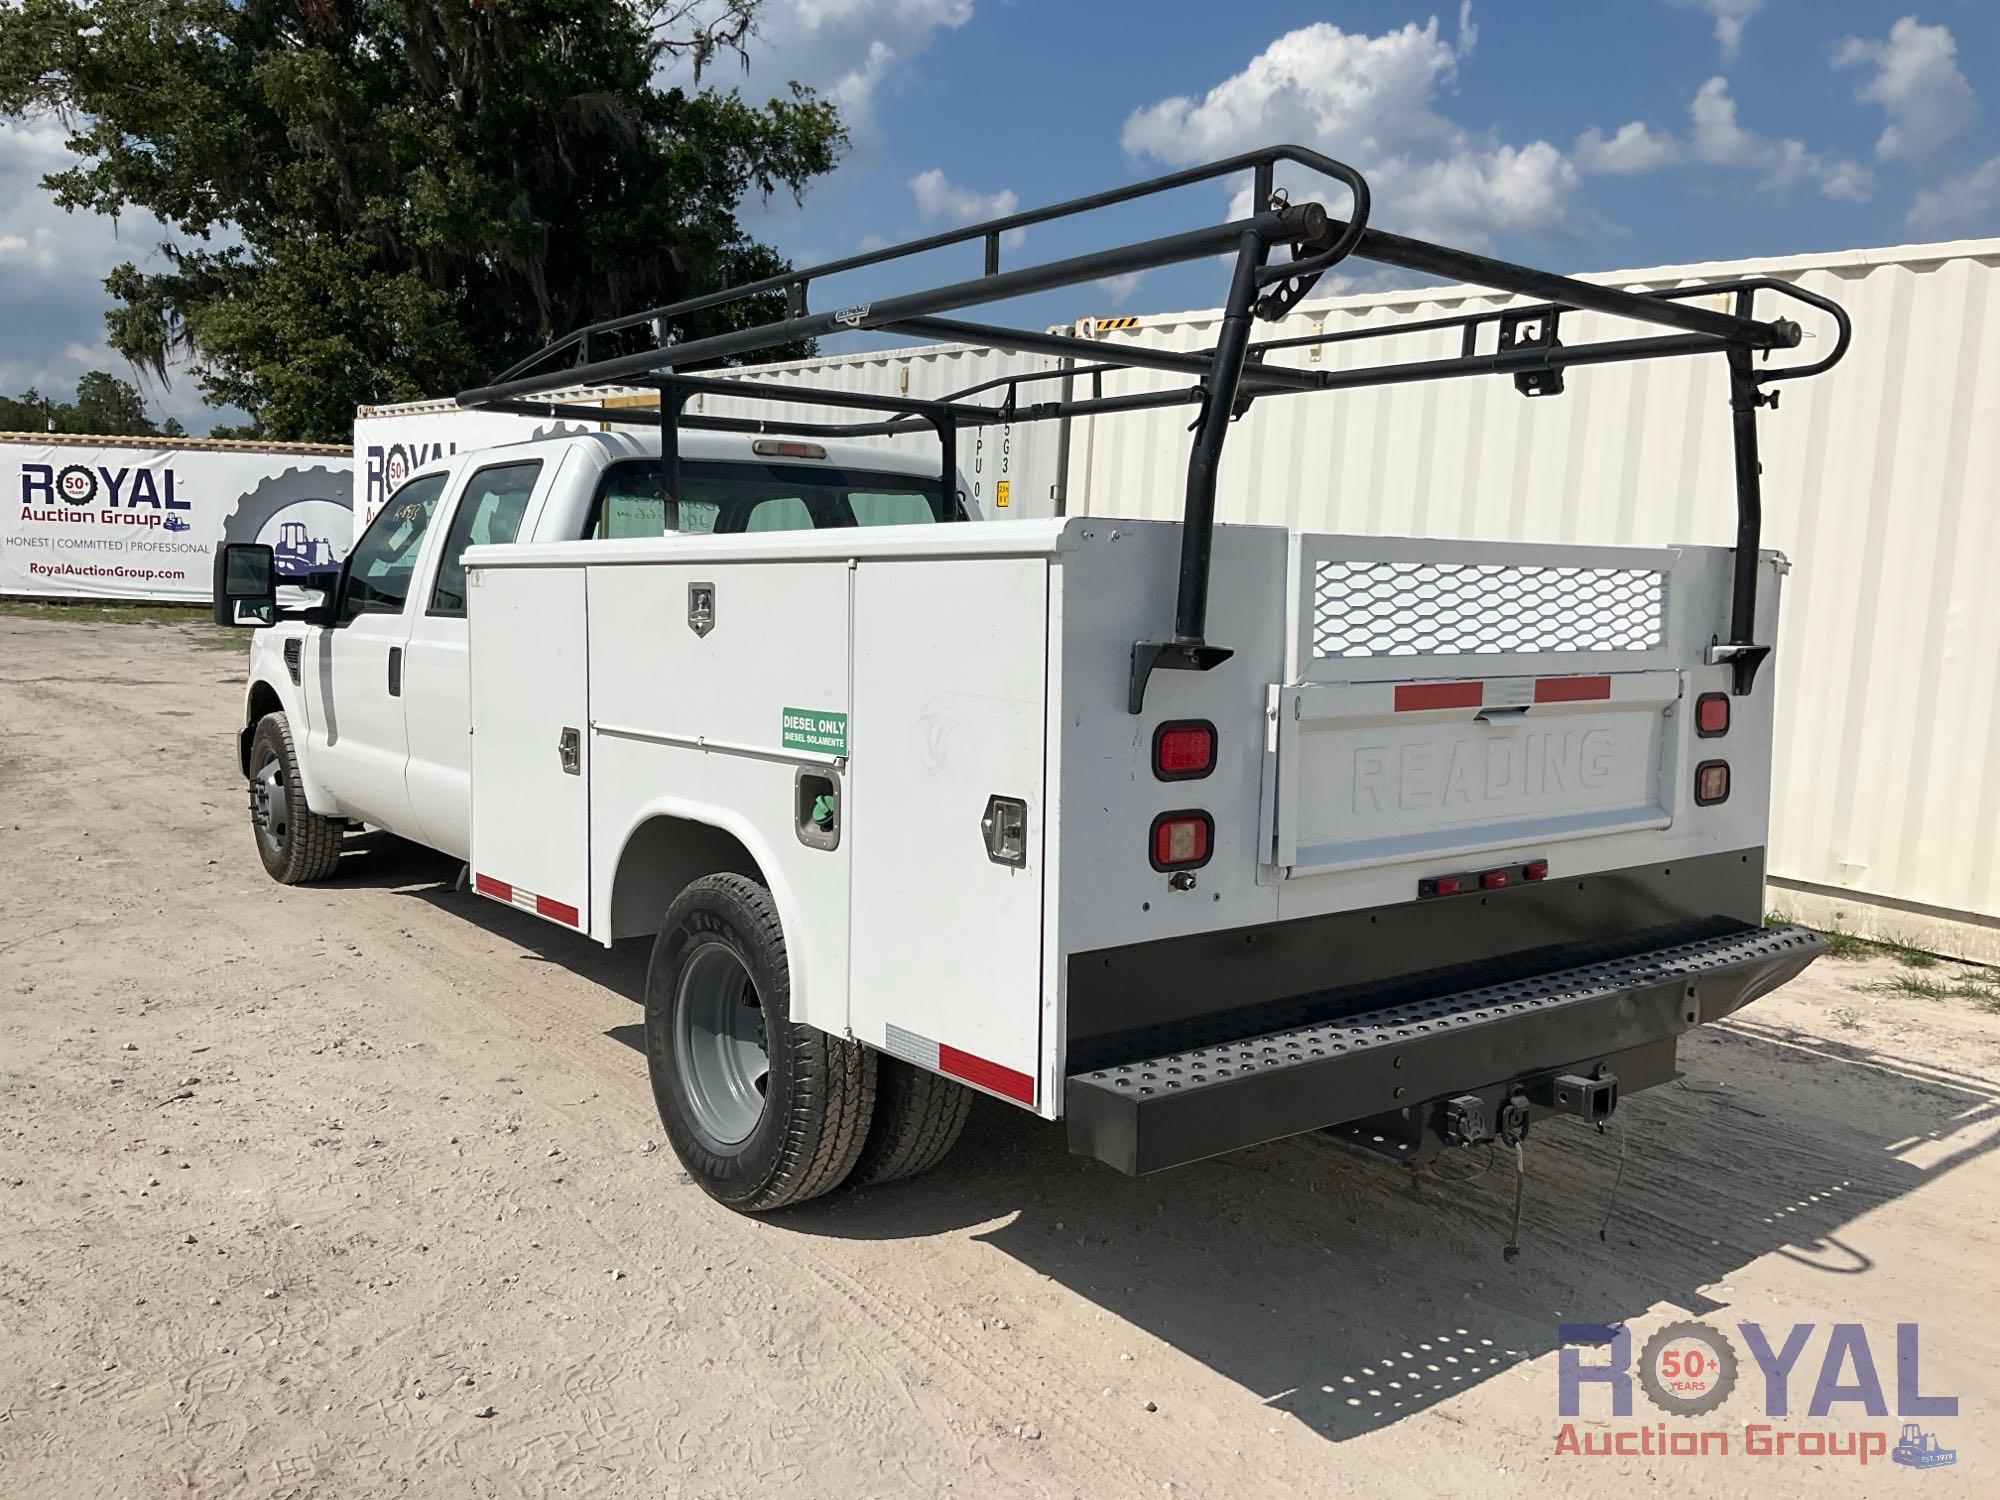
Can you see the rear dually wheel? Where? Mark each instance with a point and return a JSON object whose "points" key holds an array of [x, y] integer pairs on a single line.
{"points": [[763, 1112]]}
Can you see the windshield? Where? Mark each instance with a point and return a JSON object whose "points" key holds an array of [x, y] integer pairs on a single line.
{"points": [[735, 497]]}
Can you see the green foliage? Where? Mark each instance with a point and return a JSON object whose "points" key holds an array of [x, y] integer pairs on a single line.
{"points": [[1972, 986], [379, 200], [1846, 945], [104, 404]]}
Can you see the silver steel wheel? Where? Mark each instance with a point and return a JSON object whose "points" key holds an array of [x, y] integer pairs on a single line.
{"points": [[719, 1046], [270, 808]]}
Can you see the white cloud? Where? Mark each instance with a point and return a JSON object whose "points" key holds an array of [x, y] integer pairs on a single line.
{"points": [[1719, 140], [1962, 202], [1915, 78], [1120, 288], [1731, 16], [938, 197], [52, 268], [845, 49], [1633, 148], [1372, 98]]}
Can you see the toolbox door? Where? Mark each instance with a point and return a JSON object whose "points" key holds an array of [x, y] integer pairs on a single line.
{"points": [[950, 707], [530, 689]]}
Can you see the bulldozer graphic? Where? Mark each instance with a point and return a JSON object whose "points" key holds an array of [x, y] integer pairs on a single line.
{"points": [[300, 512], [297, 552], [1918, 1449]]}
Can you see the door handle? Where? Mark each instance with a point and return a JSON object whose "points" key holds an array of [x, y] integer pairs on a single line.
{"points": [[395, 671]]}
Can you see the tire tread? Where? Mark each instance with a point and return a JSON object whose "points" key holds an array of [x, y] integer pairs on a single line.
{"points": [[918, 1118], [312, 852], [822, 1140]]}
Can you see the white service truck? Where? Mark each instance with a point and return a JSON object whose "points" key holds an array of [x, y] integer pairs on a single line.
{"points": [[1195, 836]]}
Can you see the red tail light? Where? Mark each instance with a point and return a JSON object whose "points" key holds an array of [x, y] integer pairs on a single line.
{"points": [[1184, 751], [1711, 782], [1535, 869], [1492, 880], [1182, 840], [1711, 715]]}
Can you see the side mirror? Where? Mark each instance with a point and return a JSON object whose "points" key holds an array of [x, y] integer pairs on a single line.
{"points": [[246, 585]]}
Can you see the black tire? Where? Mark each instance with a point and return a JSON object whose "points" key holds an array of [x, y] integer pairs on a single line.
{"points": [[817, 1091], [295, 843], [918, 1117]]}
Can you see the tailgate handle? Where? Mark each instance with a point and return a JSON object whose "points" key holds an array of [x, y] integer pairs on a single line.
{"points": [[1495, 715]]}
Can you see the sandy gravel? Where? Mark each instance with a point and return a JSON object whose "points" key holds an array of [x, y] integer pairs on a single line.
{"points": [[354, 1191]]}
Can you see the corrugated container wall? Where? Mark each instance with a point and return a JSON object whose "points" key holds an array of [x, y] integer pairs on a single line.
{"points": [[1025, 458], [1880, 483]]}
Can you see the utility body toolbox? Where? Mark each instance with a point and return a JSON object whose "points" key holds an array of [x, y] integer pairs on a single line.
{"points": [[1412, 868]]}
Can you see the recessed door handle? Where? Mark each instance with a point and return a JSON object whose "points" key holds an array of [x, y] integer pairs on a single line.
{"points": [[395, 671]]}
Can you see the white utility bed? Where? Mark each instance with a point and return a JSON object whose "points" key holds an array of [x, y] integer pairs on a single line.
{"points": [[1393, 710]]}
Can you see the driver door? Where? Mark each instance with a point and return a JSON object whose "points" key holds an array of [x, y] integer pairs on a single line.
{"points": [[359, 741]]}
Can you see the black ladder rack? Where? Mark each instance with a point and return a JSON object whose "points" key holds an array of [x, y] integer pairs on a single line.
{"points": [[1307, 239]]}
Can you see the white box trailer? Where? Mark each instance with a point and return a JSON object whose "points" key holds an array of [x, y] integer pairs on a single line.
{"points": [[1195, 836]]}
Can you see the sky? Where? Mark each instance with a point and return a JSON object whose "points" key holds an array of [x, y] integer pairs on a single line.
{"points": [[1580, 136]]}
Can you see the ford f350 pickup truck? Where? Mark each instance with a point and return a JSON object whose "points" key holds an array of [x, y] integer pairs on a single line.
{"points": [[1194, 836]]}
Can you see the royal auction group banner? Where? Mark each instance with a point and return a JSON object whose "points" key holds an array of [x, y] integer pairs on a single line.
{"points": [[141, 518]]}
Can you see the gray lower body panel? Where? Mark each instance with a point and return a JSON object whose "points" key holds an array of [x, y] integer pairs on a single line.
{"points": [[1346, 1055]]}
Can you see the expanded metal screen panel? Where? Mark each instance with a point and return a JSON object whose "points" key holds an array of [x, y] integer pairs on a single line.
{"points": [[1483, 609]]}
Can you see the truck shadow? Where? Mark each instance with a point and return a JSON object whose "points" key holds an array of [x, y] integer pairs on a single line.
{"points": [[1352, 1291]]}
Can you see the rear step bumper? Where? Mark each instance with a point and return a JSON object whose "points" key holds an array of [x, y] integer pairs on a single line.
{"points": [[1408, 1058]]}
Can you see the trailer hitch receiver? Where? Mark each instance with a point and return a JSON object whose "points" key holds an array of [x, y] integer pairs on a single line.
{"points": [[1589, 1099]]}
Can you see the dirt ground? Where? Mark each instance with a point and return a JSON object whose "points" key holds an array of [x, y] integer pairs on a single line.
{"points": [[354, 1190]]}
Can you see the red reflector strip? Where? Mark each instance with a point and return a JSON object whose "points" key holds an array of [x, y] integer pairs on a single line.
{"points": [[513, 895], [987, 1075], [1571, 689], [1419, 695], [560, 911]]}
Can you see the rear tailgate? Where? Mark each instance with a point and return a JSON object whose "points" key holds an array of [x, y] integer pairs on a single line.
{"points": [[1450, 703]]}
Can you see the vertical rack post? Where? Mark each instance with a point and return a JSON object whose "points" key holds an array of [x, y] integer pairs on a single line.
{"points": [[673, 397], [946, 426], [1741, 651], [1189, 650]]}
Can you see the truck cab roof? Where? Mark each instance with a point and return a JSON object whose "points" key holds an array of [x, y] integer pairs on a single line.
{"points": [[733, 482]]}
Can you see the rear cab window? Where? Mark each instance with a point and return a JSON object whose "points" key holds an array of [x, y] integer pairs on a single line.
{"points": [[729, 497]]}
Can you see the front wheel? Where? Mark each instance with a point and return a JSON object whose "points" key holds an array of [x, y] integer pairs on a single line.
{"points": [[762, 1112], [295, 843]]}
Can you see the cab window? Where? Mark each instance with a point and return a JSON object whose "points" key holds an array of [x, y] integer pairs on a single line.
{"points": [[491, 509], [725, 496], [384, 561]]}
